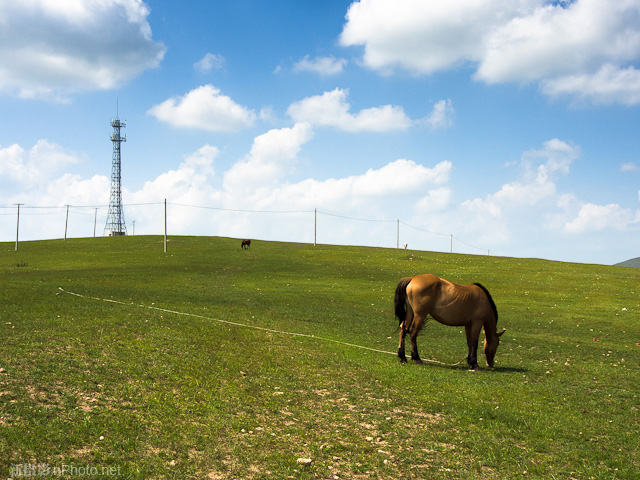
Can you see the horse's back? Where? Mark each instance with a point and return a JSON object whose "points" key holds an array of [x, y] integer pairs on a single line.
{"points": [[449, 303], [423, 291]]}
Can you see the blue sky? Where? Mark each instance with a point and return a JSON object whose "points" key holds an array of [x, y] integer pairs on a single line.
{"points": [[512, 126]]}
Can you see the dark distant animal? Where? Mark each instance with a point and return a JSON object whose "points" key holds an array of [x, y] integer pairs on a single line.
{"points": [[246, 244], [468, 306]]}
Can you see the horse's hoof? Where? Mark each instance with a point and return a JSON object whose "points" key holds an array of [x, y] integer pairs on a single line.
{"points": [[417, 361]]}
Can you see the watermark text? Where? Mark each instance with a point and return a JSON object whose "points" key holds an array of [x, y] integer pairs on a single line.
{"points": [[43, 470]]}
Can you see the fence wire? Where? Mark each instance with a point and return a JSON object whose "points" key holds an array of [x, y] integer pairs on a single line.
{"points": [[66, 223]]}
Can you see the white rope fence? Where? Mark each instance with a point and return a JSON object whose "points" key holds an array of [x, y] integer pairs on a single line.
{"points": [[236, 324]]}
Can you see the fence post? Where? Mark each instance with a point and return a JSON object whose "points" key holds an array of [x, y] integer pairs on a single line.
{"points": [[398, 235], [165, 225]]}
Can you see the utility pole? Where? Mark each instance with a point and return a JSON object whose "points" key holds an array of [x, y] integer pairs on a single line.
{"points": [[18, 226], [66, 223]]}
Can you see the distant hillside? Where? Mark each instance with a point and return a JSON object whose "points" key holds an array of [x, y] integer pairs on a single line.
{"points": [[634, 263]]}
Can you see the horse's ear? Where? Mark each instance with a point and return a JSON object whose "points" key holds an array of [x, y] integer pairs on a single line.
{"points": [[503, 330]]}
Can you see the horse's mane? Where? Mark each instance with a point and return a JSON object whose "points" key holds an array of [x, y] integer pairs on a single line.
{"points": [[493, 305]]}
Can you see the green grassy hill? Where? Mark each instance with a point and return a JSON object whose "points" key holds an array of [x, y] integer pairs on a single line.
{"points": [[634, 263], [212, 362]]}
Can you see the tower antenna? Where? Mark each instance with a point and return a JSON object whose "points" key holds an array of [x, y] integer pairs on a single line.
{"points": [[115, 218]]}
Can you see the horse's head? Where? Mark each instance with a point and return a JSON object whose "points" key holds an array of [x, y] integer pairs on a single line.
{"points": [[491, 343]]}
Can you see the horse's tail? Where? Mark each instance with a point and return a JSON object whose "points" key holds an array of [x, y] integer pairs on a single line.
{"points": [[491, 302], [400, 299]]}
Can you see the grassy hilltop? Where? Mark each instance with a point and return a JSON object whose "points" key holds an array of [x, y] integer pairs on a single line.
{"points": [[156, 383]]}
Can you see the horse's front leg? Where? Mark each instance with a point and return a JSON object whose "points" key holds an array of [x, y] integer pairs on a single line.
{"points": [[473, 334]]}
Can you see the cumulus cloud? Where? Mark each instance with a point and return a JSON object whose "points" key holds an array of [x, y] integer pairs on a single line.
{"points": [[441, 116], [541, 168], [30, 169], [51, 49], [557, 155], [421, 37], [369, 193], [331, 109], [601, 217], [191, 183], [272, 156], [188, 182], [609, 85], [522, 207], [209, 62], [325, 66], [260, 180], [629, 167], [584, 48], [527, 215], [204, 108]]}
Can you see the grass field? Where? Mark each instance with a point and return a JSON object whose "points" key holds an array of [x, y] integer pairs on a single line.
{"points": [[156, 385]]}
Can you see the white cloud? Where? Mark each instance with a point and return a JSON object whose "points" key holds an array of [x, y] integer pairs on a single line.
{"points": [[601, 217], [31, 169], [526, 216], [204, 108], [369, 193], [325, 66], [541, 169], [272, 156], [210, 62], [74, 190], [582, 48], [418, 36], [553, 41], [630, 167], [259, 181], [524, 207], [51, 49], [192, 183], [400, 177], [436, 200], [559, 156], [608, 85], [332, 109], [441, 116]]}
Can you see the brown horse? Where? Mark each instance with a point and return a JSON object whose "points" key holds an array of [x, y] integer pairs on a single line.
{"points": [[246, 243], [451, 304]]}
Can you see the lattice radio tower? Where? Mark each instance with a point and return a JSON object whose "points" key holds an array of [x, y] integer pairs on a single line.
{"points": [[115, 218]]}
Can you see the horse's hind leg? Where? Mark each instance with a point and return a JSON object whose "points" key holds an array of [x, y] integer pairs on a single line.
{"points": [[405, 326], [414, 329], [416, 326], [401, 354]]}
